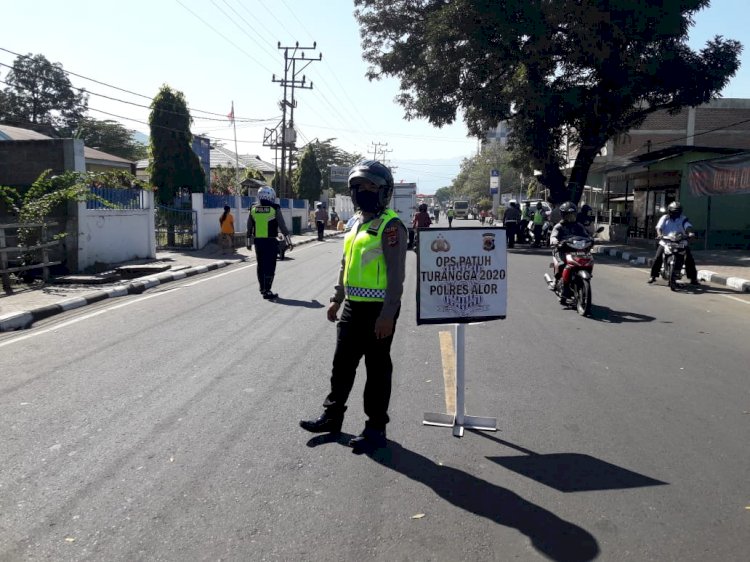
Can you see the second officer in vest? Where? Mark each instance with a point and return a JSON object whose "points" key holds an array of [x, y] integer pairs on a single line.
{"points": [[370, 283], [263, 225]]}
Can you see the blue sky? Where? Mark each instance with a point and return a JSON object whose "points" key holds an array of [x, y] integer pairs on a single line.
{"points": [[219, 51]]}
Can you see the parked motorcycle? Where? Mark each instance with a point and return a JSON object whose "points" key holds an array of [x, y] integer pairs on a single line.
{"points": [[574, 263], [675, 248]]}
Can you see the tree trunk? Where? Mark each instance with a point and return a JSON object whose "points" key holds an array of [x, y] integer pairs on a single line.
{"points": [[579, 173]]}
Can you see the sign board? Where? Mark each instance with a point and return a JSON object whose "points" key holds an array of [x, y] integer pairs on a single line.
{"points": [[494, 180], [493, 190], [339, 174], [461, 275]]}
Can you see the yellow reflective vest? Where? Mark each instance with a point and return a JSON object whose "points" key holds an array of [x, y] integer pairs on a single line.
{"points": [[365, 276], [266, 225]]}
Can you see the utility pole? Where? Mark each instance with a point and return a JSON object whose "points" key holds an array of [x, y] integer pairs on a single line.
{"points": [[289, 83], [376, 148]]}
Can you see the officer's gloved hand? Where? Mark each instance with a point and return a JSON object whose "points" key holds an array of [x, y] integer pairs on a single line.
{"points": [[289, 243]]}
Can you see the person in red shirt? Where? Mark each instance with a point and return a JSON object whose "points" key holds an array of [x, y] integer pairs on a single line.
{"points": [[421, 220]]}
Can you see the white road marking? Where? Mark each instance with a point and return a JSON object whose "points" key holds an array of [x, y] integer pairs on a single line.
{"points": [[130, 302], [736, 299]]}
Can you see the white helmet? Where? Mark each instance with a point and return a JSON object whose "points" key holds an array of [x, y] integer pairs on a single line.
{"points": [[267, 193]]}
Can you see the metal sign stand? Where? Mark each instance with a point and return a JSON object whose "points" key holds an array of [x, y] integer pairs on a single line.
{"points": [[460, 420]]}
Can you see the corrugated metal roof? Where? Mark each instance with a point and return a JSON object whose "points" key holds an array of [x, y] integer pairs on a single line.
{"points": [[221, 156], [16, 134], [8, 133]]}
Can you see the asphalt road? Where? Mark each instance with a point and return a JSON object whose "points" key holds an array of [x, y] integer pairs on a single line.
{"points": [[164, 427]]}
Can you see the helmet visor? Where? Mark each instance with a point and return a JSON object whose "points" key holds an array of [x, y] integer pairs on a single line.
{"points": [[357, 175]]}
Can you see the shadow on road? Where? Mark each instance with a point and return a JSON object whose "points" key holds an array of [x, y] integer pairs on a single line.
{"points": [[606, 314], [554, 537], [549, 534], [570, 472], [294, 302]]}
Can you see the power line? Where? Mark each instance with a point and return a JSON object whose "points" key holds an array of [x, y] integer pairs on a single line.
{"points": [[220, 34], [111, 86], [180, 113]]}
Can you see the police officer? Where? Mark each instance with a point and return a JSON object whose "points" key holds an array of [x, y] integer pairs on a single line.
{"points": [[263, 225], [450, 214], [369, 286]]}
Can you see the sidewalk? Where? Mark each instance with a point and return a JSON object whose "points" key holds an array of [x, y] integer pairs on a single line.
{"points": [[728, 268], [35, 302]]}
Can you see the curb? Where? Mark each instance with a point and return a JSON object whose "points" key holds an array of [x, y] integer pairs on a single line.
{"points": [[736, 283], [23, 320]]}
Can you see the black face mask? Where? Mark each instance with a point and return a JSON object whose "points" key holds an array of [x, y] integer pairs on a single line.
{"points": [[368, 201]]}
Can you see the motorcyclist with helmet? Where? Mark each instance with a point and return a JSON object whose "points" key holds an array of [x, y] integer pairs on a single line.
{"points": [[511, 218], [421, 220], [674, 222], [263, 225], [566, 228], [370, 284]]}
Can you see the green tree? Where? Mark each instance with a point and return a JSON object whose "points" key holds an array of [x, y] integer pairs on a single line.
{"points": [[473, 179], [223, 180], [39, 95], [111, 137], [586, 70], [444, 194], [307, 177], [173, 163], [326, 155]]}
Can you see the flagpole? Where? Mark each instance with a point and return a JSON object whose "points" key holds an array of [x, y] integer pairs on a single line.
{"points": [[237, 192]]}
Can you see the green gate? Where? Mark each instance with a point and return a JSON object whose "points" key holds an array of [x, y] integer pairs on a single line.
{"points": [[175, 228]]}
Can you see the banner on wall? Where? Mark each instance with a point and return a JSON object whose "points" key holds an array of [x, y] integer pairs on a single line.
{"points": [[724, 176]]}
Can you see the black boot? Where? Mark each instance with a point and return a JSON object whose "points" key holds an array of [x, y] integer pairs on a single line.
{"points": [[327, 423], [369, 440]]}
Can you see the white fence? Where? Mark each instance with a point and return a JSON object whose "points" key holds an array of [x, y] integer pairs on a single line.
{"points": [[344, 207], [208, 218], [106, 235]]}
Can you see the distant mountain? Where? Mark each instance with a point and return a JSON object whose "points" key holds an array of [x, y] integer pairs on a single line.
{"points": [[140, 137]]}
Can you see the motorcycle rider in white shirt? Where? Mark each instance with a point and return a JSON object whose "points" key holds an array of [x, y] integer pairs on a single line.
{"points": [[674, 222]]}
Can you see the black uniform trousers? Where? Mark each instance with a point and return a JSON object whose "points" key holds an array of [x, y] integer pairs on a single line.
{"points": [[266, 250], [690, 269], [355, 339], [511, 227], [320, 225]]}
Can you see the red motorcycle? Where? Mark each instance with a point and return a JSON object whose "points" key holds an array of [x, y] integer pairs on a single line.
{"points": [[573, 266]]}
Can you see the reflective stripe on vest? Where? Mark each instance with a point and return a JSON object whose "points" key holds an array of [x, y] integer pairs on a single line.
{"points": [[263, 215], [365, 278]]}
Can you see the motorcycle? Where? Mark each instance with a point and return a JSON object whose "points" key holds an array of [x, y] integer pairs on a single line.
{"points": [[672, 266], [285, 245], [576, 261]]}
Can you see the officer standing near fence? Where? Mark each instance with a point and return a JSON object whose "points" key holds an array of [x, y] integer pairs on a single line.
{"points": [[263, 225], [370, 284]]}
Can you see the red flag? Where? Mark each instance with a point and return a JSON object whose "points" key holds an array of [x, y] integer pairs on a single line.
{"points": [[230, 115]]}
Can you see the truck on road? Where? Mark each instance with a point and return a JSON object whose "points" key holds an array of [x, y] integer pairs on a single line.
{"points": [[461, 209], [404, 201]]}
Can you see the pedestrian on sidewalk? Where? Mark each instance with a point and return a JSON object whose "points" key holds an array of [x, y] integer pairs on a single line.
{"points": [[226, 234], [674, 222], [370, 283], [321, 216], [263, 225]]}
